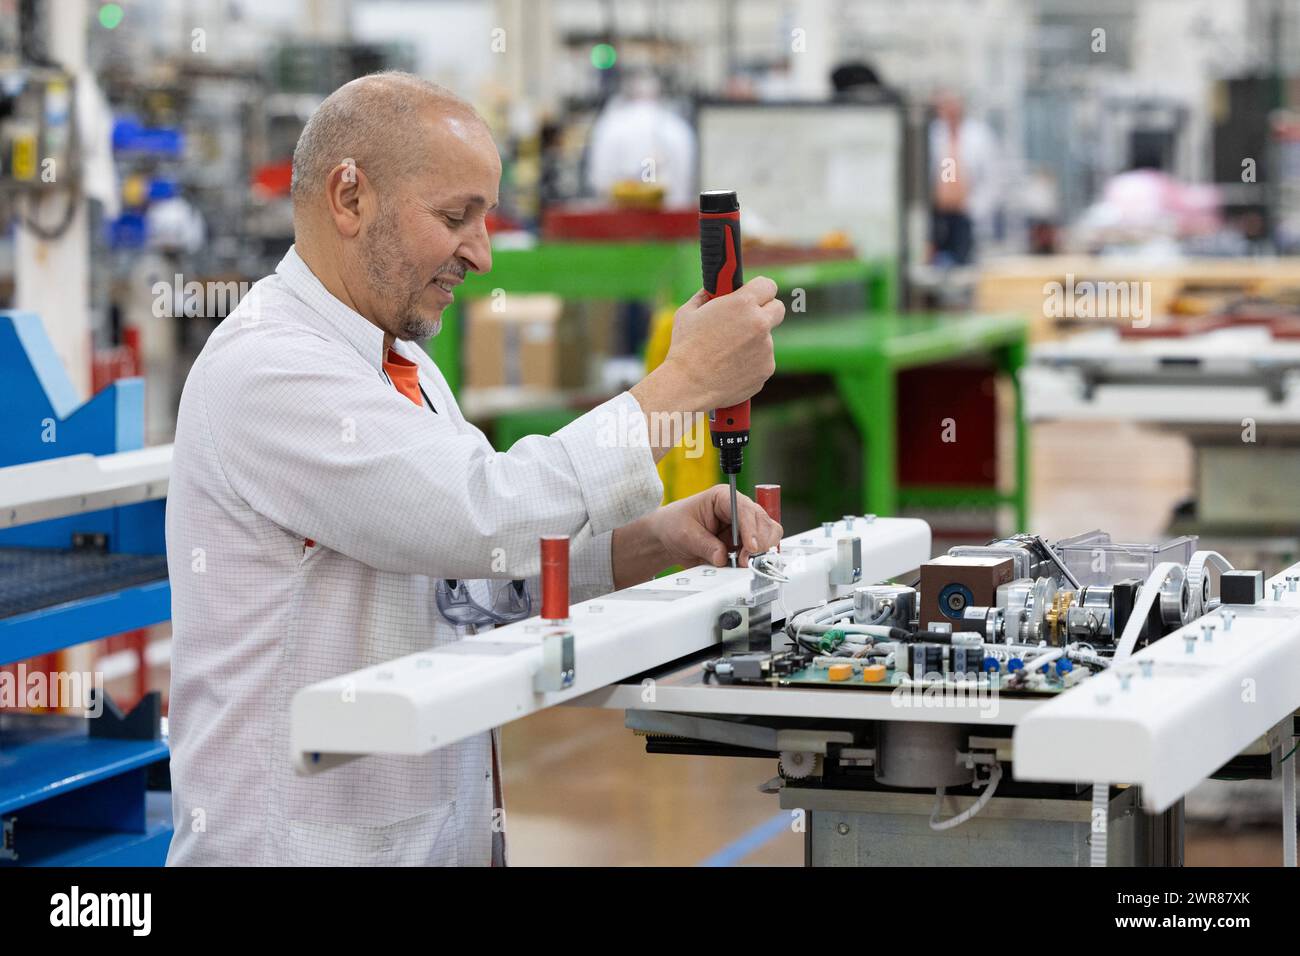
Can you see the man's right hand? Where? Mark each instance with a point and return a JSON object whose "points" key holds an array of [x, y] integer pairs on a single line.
{"points": [[721, 354], [723, 347]]}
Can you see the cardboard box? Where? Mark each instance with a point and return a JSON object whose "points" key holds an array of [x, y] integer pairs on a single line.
{"points": [[523, 340]]}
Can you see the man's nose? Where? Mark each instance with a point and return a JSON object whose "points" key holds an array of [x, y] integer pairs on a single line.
{"points": [[477, 250]]}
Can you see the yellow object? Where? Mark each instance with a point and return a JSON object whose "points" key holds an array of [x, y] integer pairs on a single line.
{"points": [[23, 159], [692, 466], [839, 671], [633, 194], [873, 673], [135, 191]]}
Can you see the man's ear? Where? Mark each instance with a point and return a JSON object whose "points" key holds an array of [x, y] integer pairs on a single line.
{"points": [[347, 191]]}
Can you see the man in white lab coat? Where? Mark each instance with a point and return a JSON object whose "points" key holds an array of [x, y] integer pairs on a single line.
{"points": [[330, 508]]}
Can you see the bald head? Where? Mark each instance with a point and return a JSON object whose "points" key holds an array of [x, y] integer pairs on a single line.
{"points": [[393, 178], [379, 123]]}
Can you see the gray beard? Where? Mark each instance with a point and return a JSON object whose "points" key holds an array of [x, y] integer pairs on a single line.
{"points": [[385, 269]]}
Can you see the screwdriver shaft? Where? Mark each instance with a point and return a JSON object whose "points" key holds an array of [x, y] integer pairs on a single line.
{"points": [[735, 523]]}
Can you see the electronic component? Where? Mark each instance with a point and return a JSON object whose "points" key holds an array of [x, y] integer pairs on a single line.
{"points": [[891, 604], [1241, 587], [929, 661], [950, 584]]}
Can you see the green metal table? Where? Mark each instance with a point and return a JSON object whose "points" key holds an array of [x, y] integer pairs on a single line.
{"points": [[863, 355]]}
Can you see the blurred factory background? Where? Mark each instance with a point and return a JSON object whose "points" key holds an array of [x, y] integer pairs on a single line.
{"points": [[1128, 216]]}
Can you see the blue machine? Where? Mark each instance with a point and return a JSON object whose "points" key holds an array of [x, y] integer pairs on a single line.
{"points": [[76, 791]]}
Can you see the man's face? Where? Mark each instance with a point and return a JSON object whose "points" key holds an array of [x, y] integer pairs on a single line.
{"points": [[429, 229]]}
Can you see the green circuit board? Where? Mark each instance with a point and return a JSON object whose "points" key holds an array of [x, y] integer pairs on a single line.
{"points": [[819, 676]]}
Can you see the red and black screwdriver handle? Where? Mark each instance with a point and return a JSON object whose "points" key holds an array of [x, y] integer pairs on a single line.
{"points": [[720, 261]]}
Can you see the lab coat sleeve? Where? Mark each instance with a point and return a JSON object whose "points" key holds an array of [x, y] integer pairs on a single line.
{"points": [[309, 436]]}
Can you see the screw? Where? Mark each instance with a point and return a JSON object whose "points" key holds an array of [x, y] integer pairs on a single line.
{"points": [[710, 572], [1277, 590], [1147, 667], [848, 523], [1124, 680], [683, 580], [1191, 642], [870, 519], [827, 527], [843, 828], [1207, 632], [1228, 616]]}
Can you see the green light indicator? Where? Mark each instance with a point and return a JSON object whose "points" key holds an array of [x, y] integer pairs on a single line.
{"points": [[603, 56], [110, 15]]}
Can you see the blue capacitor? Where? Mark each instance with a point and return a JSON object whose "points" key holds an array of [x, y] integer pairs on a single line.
{"points": [[991, 664], [1063, 667], [1015, 664]]}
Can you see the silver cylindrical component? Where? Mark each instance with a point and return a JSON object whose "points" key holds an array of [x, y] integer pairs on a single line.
{"points": [[894, 603], [910, 754], [1015, 594], [988, 622], [1175, 599], [1090, 624], [1096, 595]]}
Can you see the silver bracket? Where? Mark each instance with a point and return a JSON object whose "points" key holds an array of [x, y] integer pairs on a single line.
{"points": [[848, 561], [558, 665]]}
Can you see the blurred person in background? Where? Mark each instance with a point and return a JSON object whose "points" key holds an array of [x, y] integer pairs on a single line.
{"points": [[639, 138], [963, 181]]}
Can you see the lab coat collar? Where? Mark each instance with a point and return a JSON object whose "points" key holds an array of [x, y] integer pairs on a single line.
{"points": [[353, 327]]}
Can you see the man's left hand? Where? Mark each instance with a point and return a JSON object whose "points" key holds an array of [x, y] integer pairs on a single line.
{"points": [[695, 530]]}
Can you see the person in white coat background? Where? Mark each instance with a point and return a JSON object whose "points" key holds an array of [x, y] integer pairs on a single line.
{"points": [[330, 508]]}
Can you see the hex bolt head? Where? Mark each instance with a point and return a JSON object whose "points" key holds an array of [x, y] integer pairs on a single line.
{"points": [[1148, 667], [1277, 590], [1190, 640], [848, 523], [1228, 616], [1290, 582], [828, 527], [1124, 680], [1207, 632], [843, 829]]}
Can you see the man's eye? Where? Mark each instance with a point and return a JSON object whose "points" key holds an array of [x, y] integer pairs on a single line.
{"points": [[454, 220]]}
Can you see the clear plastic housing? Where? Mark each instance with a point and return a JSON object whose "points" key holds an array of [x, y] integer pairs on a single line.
{"points": [[1094, 558]]}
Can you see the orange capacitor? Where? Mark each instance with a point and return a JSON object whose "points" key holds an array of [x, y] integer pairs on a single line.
{"points": [[839, 671], [555, 577], [873, 673]]}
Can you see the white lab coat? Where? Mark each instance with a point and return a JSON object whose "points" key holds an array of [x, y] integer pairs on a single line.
{"points": [[287, 430]]}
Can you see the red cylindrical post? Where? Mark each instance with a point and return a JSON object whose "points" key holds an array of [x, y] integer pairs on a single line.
{"points": [[769, 499], [555, 577]]}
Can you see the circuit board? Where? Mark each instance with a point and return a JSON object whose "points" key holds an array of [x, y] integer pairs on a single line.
{"points": [[819, 676]]}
